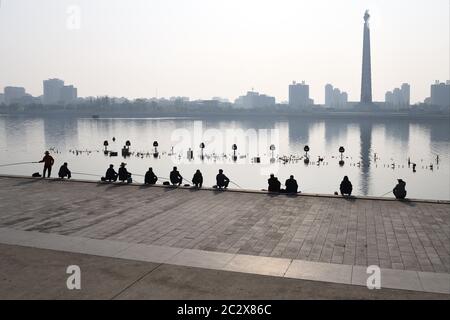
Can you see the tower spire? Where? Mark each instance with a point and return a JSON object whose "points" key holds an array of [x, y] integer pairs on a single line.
{"points": [[366, 79]]}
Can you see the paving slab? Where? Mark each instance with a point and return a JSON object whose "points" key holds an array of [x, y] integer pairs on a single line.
{"points": [[201, 259], [258, 265], [151, 253], [329, 272], [435, 282]]}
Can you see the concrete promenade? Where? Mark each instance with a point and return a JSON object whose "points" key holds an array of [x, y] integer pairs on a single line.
{"points": [[248, 232]]}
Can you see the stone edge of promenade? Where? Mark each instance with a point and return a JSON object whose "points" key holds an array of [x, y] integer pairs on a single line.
{"points": [[318, 195]]}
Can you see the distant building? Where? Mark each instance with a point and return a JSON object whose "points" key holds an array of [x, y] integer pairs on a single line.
{"points": [[334, 97], [299, 95], [2, 98], [55, 92], [68, 94], [14, 94], [223, 100], [328, 95], [398, 98], [406, 93], [440, 94], [254, 100], [52, 91]]}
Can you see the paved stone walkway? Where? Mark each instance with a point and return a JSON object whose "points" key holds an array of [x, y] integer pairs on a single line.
{"points": [[391, 234], [24, 276]]}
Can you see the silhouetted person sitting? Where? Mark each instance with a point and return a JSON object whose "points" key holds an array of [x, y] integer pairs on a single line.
{"points": [[124, 175], [291, 185], [399, 190], [48, 163], [197, 179], [175, 177], [64, 171], [111, 174], [274, 184], [150, 177], [222, 180], [346, 187]]}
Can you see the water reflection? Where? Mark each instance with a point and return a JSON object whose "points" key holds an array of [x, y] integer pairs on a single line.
{"points": [[25, 139], [365, 130]]}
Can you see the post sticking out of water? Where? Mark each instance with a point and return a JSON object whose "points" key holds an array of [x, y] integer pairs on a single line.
{"points": [[341, 150], [202, 146], [306, 149]]}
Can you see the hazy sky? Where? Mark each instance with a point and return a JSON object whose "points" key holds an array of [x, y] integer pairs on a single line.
{"points": [[206, 48]]}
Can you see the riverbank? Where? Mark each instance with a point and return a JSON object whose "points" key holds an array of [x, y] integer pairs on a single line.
{"points": [[233, 114]]}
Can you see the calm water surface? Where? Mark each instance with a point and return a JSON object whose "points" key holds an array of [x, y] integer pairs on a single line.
{"points": [[376, 151]]}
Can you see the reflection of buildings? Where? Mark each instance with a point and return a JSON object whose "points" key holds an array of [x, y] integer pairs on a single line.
{"points": [[336, 132], [61, 132], [439, 131], [365, 132], [299, 130], [398, 130]]}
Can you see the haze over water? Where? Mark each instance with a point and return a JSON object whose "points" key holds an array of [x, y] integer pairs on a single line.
{"points": [[25, 139]]}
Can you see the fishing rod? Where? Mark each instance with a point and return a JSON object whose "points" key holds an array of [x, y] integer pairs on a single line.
{"points": [[87, 174], [142, 175], [187, 180], [386, 193], [236, 184], [17, 163]]}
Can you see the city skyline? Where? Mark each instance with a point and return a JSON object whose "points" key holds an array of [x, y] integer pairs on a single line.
{"points": [[265, 71], [55, 91]]}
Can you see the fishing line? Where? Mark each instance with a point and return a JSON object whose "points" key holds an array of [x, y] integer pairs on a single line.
{"points": [[141, 175], [86, 174], [17, 163], [236, 184], [386, 193]]}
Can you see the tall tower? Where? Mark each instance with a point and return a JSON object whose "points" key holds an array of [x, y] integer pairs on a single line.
{"points": [[366, 80]]}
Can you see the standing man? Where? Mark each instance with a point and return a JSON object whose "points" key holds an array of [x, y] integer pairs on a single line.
{"points": [[48, 163]]}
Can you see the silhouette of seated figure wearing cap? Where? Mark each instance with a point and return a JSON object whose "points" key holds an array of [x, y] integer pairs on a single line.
{"points": [[124, 175]]}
